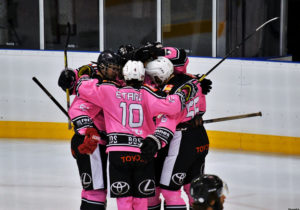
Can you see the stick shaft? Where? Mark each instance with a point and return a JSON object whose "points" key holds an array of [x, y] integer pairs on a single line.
{"points": [[233, 117], [237, 47], [50, 96], [66, 67]]}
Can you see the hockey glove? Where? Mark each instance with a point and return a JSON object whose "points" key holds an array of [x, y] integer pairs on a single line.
{"points": [[206, 86], [142, 54], [149, 51], [156, 49], [149, 147], [67, 79], [90, 142], [126, 53]]}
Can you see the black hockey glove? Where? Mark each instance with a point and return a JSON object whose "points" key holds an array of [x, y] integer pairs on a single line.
{"points": [[67, 79], [149, 51], [142, 54], [126, 53], [206, 86], [149, 147], [156, 49]]}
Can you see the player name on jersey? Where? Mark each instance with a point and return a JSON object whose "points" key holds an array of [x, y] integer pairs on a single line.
{"points": [[129, 96]]}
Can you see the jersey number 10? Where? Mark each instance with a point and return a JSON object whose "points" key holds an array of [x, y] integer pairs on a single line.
{"points": [[132, 111]]}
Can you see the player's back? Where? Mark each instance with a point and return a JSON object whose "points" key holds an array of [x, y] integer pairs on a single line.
{"points": [[128, 112]]}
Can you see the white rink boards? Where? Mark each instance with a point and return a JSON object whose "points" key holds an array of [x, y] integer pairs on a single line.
{"points": [[239, 87]]}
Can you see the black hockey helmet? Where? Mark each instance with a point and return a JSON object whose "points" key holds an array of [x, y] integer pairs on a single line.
{"points": [[108, 58], [204, 186]]}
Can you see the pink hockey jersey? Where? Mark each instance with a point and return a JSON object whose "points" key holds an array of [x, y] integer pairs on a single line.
{"points": [[128, 112], [83, 114], [195, 106]]}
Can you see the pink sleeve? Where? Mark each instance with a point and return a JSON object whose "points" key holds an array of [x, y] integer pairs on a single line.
{"points": [[166, 121], [165, 129], [89, 90], [169, 105], [202, 101]]}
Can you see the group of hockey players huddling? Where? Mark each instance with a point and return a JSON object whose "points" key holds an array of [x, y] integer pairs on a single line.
{"points": [[139, 132]]}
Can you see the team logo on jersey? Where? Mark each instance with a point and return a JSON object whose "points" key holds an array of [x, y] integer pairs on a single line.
{"points": [[159, 116], [171, 99], [164, 118], [178, 178], [147, 187], [119, 188], [168, 88], [83, 107], [86, 180]]}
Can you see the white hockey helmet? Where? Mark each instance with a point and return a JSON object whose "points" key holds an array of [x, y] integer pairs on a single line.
{"points": [[134, 70], [161, 67]]}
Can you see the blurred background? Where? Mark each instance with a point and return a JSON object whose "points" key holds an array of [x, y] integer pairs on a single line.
{"points": [[202, 27]]}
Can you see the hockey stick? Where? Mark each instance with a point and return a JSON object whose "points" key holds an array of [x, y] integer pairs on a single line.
{"points": [[66, 68], [232, 117], [237, 47], [50, 96]]}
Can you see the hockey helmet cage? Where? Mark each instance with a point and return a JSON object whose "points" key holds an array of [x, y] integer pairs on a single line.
{"points": [[161, 67], [134, 70], [178, 57]]}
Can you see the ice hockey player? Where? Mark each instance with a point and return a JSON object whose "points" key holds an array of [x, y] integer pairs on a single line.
{"points": [[185, 155], [88, 142]]}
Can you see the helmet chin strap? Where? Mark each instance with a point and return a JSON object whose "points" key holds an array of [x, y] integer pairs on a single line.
{"points": [[101, 74], [167, 80], [217, 205]]}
